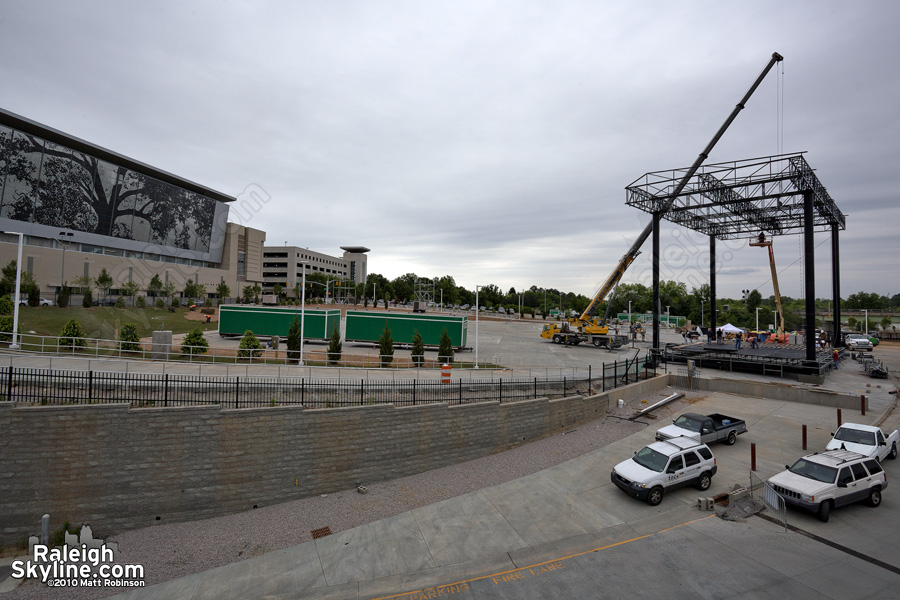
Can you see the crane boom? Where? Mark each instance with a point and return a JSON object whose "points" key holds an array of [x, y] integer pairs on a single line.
{"points": [[633, 252], [779, 326]]}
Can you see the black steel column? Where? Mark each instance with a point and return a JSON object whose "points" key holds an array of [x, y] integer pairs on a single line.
{"points": [[836, 286], [809, 265], [656, 222], [712, 284]]}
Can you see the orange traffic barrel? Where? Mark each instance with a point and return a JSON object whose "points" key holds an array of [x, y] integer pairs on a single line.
{"points": [[445, 373]]}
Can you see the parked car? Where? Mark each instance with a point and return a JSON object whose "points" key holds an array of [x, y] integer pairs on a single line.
{"points": [[823, 481], [858, 341], [704, 428], [665, 466], [45, 302], [867, 440]]}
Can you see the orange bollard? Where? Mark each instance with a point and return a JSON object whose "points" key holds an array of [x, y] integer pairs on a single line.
{"points": [[445, 373]]}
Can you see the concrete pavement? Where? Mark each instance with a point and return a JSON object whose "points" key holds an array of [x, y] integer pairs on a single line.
{"points": [[568, 531]]}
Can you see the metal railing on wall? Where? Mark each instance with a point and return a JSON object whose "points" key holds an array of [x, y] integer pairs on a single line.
{"points": [[53, 387]]}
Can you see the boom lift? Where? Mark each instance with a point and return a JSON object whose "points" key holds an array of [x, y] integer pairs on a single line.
{"points": [[762, 242], [591, 329]]}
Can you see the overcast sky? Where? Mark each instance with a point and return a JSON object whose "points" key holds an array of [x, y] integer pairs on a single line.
{"points": [[491, 141]]}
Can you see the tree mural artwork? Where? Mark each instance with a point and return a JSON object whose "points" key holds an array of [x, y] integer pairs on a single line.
{"points": [[56, 186]]}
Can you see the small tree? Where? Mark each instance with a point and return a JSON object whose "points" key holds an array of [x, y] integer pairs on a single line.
{"points": [[72, 335], [886, 323], [129, 340], [62, 296], [120, 302], [223, 291], [6, 305], [276, 289], [445, 348], [130, 289], [247, 294], [169, 291], [851, 323], [250, 346], [103, 282], [418, 349], [141, 302], [88, 299], [386, 346], [293, 340], [34, 295], [195, 343], [193, 290], [334, 346], [155, 286], [160, 303]]}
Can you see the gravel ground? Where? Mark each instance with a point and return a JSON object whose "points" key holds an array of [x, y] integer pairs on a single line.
{"points": [[175, 550]]}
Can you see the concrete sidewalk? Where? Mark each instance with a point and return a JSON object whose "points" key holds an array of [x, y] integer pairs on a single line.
{"points": [[568, 531]]}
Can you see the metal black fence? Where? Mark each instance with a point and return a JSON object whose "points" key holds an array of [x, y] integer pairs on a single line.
{"points": [[45, 386]]}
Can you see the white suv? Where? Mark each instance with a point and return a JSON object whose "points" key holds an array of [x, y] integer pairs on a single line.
{"points": [[664, 466], [825, 480]]}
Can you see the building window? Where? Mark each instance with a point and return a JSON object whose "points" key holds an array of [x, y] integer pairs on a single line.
{"points": [[240, 264]]}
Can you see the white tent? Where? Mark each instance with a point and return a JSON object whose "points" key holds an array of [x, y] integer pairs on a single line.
{"points": [[729, 328]]}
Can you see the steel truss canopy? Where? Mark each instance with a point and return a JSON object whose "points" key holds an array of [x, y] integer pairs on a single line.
{"points": [[739, 199]]}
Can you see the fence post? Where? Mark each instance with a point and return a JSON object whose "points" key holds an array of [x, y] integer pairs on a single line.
{"points": [[804, 437], [414, 391], [166, 390], [9, 377], [565, 388], [237, 390], [500, 389], [362, 392], [90, 385], [302, 391], [535, 387], [460, 390], [615, 373]]}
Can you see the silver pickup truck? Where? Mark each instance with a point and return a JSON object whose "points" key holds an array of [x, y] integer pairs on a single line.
{"points": [[704, 428]]}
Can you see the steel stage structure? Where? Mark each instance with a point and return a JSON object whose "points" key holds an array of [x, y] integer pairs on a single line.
{"points": [[776, 195]]}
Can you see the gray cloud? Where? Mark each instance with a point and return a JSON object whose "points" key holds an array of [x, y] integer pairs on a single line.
{"points": [[487, 140]]}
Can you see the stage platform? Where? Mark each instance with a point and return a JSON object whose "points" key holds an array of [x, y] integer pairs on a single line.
{"points": [[777, 360]]}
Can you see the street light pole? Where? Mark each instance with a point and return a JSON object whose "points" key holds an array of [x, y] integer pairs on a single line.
{"points": [[302, 309], [15, 332], [668, 323], [757, 318], [867, 321], [701, 314], [477, 311]]}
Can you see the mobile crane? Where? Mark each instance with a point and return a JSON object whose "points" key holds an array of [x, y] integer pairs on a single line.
{"points": [[591, 329], [762, 242]]}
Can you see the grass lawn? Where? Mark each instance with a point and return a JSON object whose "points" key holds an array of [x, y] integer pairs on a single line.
{"points": [[104, 322]]}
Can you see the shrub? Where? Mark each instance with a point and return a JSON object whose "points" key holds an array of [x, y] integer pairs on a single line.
{"points": [[6, 305], [120, 302], [445, 348], [195, 343], [72, 334], [293, 340], [6, 327], [334, 346], [62, 296], [34, 296], [160, 303], [386, 346], [207, 303], [88, 299], [418, 349], [129, 340], [141, 302], [250, 346]]}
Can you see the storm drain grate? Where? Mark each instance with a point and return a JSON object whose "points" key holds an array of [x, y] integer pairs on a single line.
{"points": [[320, 532]]}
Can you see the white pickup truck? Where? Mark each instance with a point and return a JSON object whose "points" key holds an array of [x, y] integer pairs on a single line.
{"points": [[865, 439]]}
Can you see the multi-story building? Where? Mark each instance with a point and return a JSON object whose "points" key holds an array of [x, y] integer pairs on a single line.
{"points": [[83, 208], [284, 265]]}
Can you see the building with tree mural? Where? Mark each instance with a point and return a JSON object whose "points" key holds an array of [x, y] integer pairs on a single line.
{"points": [[83, 208]]}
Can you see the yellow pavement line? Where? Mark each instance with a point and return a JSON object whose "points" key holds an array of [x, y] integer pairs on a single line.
{"points": [[546, 562]]}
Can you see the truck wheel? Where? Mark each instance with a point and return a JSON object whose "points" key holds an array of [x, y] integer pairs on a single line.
{"points": [[825, 511], [704, 482], [655, 496], [874, 497], [732, 438], [893, 454], [556, 339], [598, 343]]}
